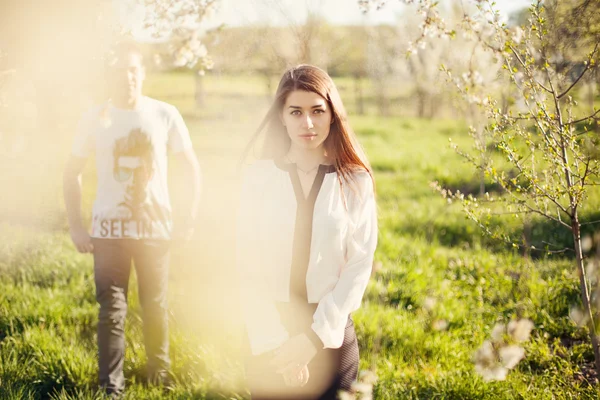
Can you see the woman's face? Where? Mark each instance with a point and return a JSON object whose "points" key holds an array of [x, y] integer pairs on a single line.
{"points": [[307, 119]]}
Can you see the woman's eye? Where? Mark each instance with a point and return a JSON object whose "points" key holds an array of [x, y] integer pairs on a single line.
{"points": [[319, 111], [295, 112]]}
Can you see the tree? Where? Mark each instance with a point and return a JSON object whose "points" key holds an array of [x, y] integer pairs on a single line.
{"points": [[549, 157], [570, 41], [181, 24], [268, 50], [303, 33], [55, 54], [348, 53], [424, 69], [382, 51], [259, 50]]}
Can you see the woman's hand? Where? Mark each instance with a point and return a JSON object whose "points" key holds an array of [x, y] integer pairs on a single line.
{"points": [[294, 355], [295, 376]]}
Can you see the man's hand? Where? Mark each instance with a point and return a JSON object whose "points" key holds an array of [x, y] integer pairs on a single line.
{"points": [[294, 355], [72, 193], [82, 240], [183, 232]]}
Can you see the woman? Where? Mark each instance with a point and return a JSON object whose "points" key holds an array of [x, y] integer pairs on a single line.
{"points": [[307, 231]]}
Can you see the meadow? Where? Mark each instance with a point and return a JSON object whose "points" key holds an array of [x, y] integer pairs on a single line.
{"points": [[437, 289]]}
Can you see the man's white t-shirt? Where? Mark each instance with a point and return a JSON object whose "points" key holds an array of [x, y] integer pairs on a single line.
{"points": [[131, 147]]}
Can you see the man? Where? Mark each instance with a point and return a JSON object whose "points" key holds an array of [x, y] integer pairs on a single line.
{"points": [[131, 220]]}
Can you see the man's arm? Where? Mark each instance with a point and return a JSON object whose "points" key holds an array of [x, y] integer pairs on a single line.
{"points": [[193, 178], [72, 194]]}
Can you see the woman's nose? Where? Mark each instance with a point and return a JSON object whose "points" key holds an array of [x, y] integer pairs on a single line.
{"points": [[307, 122]]}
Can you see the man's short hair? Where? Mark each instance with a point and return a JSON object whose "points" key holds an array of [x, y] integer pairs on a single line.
{"points": [[123, 49]]}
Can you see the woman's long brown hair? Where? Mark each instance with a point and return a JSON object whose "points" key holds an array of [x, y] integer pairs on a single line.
{"points": [[341, 144]]}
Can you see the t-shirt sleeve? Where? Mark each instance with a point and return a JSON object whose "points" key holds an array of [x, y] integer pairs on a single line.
{"points": [[83, 144], [179, 135]]}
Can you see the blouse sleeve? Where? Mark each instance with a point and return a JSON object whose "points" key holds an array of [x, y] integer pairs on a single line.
{"points": [[260, 315], [330, 318]]}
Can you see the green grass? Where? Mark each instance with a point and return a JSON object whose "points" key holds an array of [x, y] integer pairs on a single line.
{"points": [[427, 249]]}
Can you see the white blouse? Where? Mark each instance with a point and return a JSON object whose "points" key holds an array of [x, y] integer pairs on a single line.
{"points": [[341, 254]]}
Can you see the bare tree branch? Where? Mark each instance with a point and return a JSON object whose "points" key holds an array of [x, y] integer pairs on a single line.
{"points": [[563, 250], [593, 116], [590, 223], [587, 67], [527, 69]]}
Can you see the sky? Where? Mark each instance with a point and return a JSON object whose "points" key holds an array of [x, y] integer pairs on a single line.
{"points": [[283, 12], [280, 12]]}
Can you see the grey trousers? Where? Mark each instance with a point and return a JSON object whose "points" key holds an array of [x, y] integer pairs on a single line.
{"points": [[112, 267]]}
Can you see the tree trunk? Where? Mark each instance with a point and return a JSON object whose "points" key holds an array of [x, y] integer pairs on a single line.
{"points": [[199, 94], [268, 84], [435, 104], [482, 181], [420, 103], [585, 295], [595, 84], [504, 102], [358, 94], [592, 96], [382, 99], [527, 232]]}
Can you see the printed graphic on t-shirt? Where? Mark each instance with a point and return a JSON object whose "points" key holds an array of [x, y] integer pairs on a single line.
{"points": [[132, 199], [134, 167]]}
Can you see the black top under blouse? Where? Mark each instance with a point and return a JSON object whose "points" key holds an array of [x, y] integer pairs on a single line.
{"points": [[294, 313]]}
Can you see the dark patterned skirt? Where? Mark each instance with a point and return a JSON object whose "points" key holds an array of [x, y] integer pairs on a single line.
{"points": [[331, 370]]}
